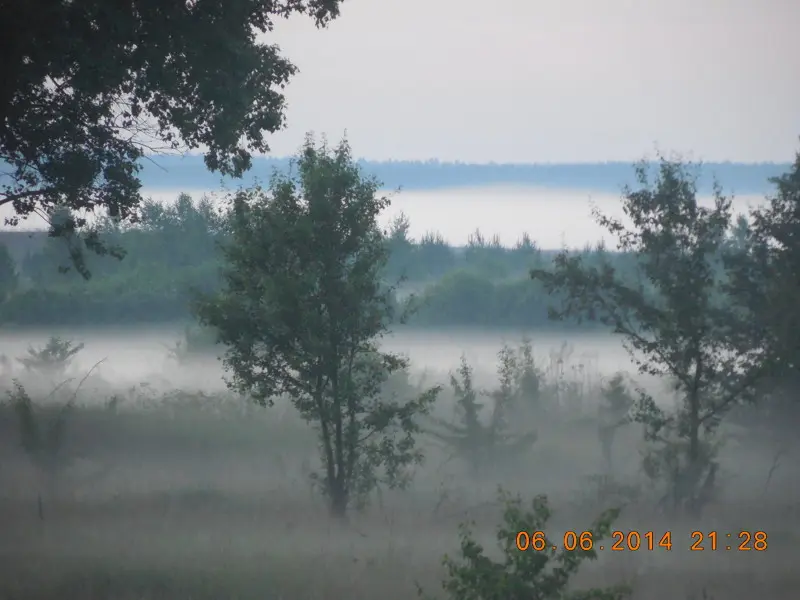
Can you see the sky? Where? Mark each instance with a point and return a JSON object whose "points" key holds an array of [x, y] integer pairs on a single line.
{"points": [[548, 80]]}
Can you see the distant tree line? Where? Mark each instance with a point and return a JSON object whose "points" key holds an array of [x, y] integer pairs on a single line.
{"points": [[171, 254], [171, 172]]}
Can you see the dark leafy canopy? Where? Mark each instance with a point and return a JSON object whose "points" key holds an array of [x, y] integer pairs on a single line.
{"points": [[89, 85], [301, 310], [302, 272]]}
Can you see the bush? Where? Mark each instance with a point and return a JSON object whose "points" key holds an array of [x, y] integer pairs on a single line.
{"points": [[482, 444], [53, 359], [529, 574]]}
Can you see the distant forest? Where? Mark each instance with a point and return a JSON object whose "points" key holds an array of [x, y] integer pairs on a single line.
{"points": [[173, 253], [190, 173]]}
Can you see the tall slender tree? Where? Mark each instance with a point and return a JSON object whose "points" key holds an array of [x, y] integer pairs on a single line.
{"points": [[674, 316]]}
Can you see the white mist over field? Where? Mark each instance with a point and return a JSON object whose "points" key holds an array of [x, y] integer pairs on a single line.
{"points": [[135, 355], [553, 217]]}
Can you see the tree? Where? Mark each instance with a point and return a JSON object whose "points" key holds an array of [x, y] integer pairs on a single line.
{"points": [[739, 236], [766, 275], [51, 360], [485, 445], [674, 316], [616, 401], [401, 246], [435, 254], [89, 86], [8, 273], [43, 429], [42, 441], [301, 311], [765, 280]]}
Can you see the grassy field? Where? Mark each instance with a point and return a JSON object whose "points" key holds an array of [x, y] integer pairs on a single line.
{"points": [[190, 497]]}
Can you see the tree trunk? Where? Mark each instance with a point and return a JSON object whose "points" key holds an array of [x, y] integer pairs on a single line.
{"points": [[694, 469], [337, 500], [606, 434], [694, 427]]}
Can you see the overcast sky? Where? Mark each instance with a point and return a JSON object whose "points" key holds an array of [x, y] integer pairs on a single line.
{"points": [[549, 80]]}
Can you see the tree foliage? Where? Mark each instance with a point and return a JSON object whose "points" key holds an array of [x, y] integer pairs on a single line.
{"points": [[51, 360], [89, 86], [765, 267], [9, 277], [172, 250], [300, 313], [42, 441], [484, 442], [616, 401], [675, 317], [529, 574]]}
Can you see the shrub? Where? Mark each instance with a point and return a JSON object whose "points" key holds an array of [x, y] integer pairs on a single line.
{"points": [[483, 444], [52, 359], [529, 574]]}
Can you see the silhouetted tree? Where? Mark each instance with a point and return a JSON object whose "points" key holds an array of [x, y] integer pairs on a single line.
{"points": [[674, 316], [300, 313]]}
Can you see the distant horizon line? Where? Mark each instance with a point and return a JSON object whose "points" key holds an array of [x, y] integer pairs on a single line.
{"points": [[495, 163], [171, 171]]}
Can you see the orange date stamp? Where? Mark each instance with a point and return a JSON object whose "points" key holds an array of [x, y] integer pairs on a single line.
{"points": [[633, 541]]}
